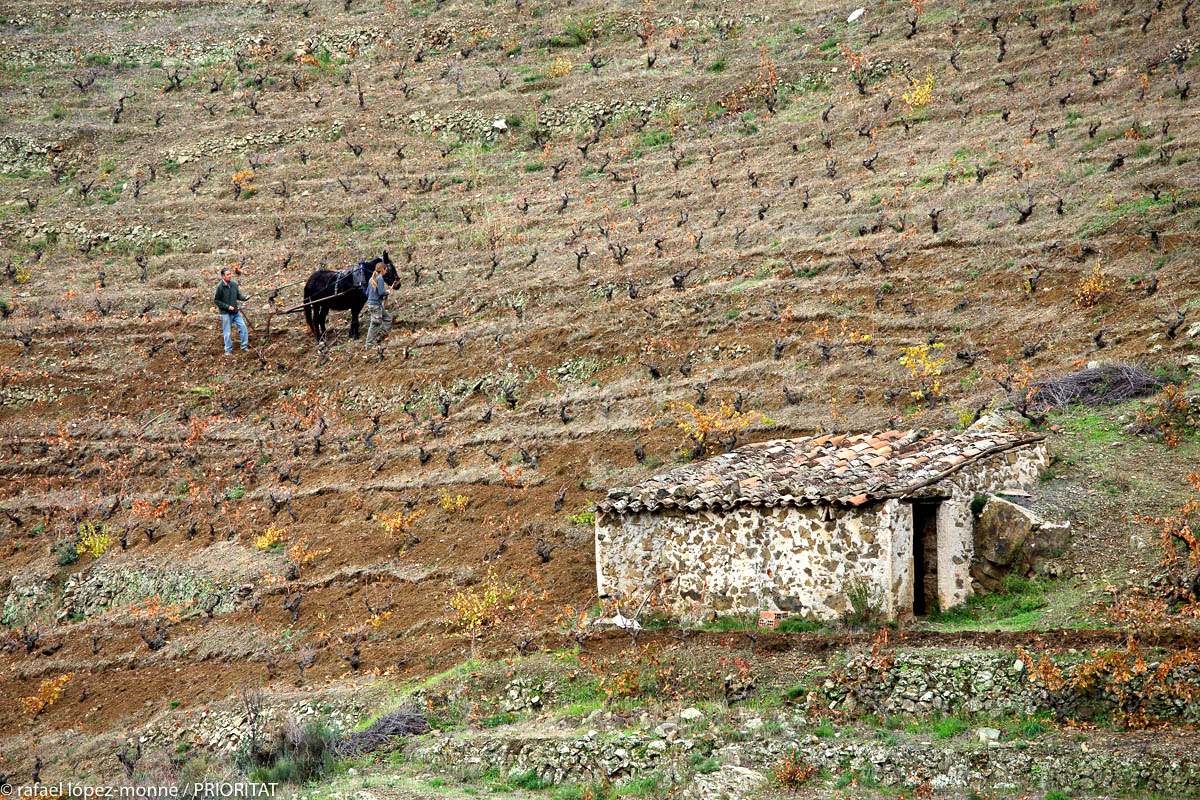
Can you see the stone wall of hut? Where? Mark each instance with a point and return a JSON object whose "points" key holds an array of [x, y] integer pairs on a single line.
{"points": [[808, 561]]}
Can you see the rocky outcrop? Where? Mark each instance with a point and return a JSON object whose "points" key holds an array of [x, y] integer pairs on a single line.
{"points": [[1009, 537]]}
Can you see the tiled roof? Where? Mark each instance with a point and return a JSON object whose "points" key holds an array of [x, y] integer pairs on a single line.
{"points": [[829, 469]]}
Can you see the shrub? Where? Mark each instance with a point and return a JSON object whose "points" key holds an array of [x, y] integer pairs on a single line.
{"points": [[925, 368], [47, 695], [269, 538], [476, 608], [242, 185], [791, 772], [584, 516], [1173, 414], [300, 553], [94, 539], [397, 526], [761, 90], [65, 552], [559, 67], [576, 33], [865, 609], [710, 430], [1177, 533], [921, 93], [647, 671], [1093, 288], [301, 753], [452, 503]]}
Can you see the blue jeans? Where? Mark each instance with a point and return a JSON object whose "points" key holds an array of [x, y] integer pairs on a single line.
{"points": [[227, 321]]}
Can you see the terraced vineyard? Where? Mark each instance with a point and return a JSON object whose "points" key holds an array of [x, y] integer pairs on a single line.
{"points": [[627, 234]]}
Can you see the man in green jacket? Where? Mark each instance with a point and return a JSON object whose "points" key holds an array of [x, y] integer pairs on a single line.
{"points": [[227, 298]]}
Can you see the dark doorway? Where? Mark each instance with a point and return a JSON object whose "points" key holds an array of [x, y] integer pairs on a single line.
{"points": [[925, 583]]}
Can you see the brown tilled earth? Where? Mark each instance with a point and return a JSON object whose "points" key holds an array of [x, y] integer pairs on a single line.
{"points": [[1020, 216]]}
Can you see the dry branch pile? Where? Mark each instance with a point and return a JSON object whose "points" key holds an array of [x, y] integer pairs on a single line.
{"points": [[377, 734], [1103, 385]]}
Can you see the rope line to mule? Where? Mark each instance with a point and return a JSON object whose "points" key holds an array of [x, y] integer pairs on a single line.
{"points": [[314, 301], [274, 293], [272, 311]]}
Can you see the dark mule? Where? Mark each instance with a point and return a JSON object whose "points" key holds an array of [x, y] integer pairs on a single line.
{"points": [[346, 290]]}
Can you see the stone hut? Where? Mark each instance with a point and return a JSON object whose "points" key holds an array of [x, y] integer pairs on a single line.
{"points": [[796, 527]]}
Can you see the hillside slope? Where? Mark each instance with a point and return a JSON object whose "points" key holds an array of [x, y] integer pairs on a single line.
{"points": [[610, 220]]}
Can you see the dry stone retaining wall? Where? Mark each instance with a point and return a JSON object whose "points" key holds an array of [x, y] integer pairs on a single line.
{"points": [[986, 684], [1055, 765]]}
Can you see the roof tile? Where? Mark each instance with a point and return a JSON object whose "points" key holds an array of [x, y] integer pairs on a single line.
{"points": [[842, 469]]}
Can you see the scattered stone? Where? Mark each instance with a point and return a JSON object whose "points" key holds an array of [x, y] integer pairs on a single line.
{"points": [[988, 735], [667, 730], [730, 781]]}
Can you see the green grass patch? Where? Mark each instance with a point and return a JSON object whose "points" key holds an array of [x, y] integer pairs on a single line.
{"points": [[595, 791], [576, 33], [647, 786], [1104, 221], [496, 720], [798, 625], [1092, 427], [529, 781], [654, 138], [1017, 602], [729, 623], [949, 727]]}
